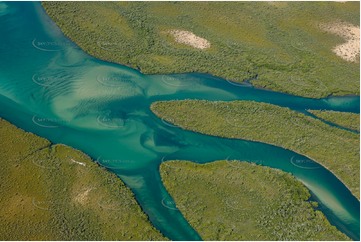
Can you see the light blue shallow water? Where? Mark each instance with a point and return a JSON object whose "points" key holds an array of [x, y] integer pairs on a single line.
{"points": [[50, 87]]}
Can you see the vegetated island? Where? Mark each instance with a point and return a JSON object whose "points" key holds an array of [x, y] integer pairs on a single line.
{"points": [[345, 119], [235, 200], [335, 149], [53, 192], [302, 48]]}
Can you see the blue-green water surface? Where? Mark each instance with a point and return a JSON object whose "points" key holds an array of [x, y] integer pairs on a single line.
{"points": [[52, 88]]}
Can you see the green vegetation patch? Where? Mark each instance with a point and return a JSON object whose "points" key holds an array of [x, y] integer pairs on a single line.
{"points": [[336, 149], [348, 120], [53, 192], [232, 200], [281, 44]]}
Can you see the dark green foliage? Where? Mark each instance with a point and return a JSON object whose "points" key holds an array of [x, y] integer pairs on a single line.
{"points": [[348, 120], [232, 200], [44, 195], [280, 43], [335, 149]]}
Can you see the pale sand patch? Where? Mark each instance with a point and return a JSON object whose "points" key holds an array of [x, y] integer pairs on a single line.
{"points": [[82, 197], [188, 38], [350, 50], [77, 162]]}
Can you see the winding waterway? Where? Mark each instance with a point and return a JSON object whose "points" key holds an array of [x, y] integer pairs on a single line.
{"points": [[50, 87]]}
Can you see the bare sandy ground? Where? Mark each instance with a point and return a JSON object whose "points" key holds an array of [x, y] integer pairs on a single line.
{"points": [[188, 38], [82, 197], [350, 50]]}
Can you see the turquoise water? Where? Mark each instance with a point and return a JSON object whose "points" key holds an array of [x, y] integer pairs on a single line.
{"points": [[50, 87]]}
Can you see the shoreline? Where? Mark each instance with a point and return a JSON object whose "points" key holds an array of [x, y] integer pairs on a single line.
{"points": [[74, 139], [311, 198], [257, 141], [91, 169], [225, 78], [136, 68], [86, 155]]}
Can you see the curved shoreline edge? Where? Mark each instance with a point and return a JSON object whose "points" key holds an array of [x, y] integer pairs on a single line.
{"points": [[104, 182], [177, 171], [249, 139], [137, 66]]}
